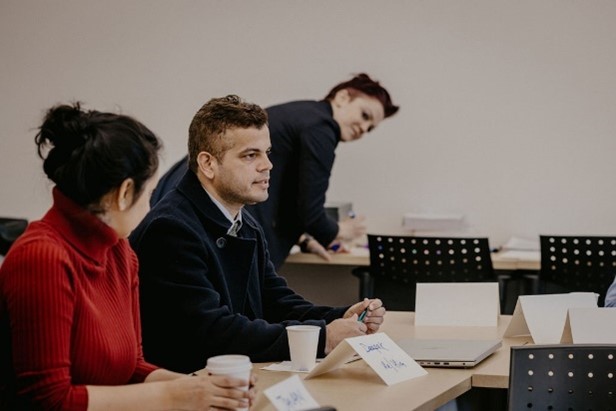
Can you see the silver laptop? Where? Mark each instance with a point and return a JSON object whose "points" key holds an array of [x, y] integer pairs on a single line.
{"points": [[454, 353]]}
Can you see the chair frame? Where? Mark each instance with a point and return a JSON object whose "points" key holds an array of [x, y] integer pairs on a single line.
{"points": [[10, 230], [407, 260], [562, 377], [577, 263]]}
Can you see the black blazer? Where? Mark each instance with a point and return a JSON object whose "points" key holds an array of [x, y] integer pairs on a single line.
{"points": [[204, 293], [304, 138]]}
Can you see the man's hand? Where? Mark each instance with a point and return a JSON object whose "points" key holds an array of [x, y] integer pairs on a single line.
{"points": [[375, 314], [343, 328]]}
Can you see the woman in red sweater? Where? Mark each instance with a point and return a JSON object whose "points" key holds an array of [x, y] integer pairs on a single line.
{"points": [[70, 335]]}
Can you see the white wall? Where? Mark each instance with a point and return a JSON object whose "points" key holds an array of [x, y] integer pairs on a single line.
{"points": [[508, 107]]}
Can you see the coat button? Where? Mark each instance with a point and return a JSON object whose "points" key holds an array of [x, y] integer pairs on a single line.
{"points": [[221, 242]]}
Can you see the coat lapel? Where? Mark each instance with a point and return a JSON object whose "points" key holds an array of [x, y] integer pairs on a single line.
{"points": [[236, 255]]}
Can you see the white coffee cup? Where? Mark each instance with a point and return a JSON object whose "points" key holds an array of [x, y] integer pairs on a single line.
{"points": [[232, 365], [303, 344]]}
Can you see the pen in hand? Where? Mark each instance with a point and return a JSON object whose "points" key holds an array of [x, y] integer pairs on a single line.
{"points": [[362, 315]]}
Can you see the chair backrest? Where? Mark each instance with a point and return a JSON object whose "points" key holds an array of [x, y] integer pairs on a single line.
{"points": [[10, 229], [562, 377], [398, 263], [577, 263]]}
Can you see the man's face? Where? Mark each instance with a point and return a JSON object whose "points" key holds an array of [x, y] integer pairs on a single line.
{"points": [[242, 175], [357, 115]]}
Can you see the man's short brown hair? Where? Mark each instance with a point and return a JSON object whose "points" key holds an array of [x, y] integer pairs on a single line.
{"points": [[214, 118]]}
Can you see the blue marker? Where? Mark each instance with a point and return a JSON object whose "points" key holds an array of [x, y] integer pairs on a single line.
{"points": [[362, 315]]}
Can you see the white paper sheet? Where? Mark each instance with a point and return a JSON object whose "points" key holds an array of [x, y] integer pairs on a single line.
{"points": [[379, 351], [457, 304], [285, 366], [386, 358], [290, 395], [543, 316], [596, 325], [519, 255], [521, 243]]}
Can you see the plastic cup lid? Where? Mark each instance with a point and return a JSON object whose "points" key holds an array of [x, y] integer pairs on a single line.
{"points": [[228, 363]]}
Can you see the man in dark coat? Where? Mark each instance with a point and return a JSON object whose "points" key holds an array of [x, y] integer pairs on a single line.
{"points": [[207, 284]]}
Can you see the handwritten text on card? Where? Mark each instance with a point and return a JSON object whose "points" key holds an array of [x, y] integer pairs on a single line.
{"points": [[389, 361], [290, 395]]}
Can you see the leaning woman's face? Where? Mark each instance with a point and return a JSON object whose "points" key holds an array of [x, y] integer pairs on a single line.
{"points": [[356, 115]]}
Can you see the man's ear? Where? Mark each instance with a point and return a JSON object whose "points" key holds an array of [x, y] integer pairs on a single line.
{"points": [[207, 164], [124, 194], [342, 97]]}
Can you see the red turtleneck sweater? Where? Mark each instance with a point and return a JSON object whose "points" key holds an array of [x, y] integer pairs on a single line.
{"points": [[69, 310]]}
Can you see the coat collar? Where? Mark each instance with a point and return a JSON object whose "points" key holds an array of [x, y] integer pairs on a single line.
{"points": [[238, 256], [326, 106], [190, 187]]}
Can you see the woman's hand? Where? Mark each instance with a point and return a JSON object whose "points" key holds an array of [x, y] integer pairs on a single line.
{"points": [[202, 392]]}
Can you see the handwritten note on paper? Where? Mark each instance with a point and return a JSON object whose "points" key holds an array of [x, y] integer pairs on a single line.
{"points": [[386, 358], [290, 395]]}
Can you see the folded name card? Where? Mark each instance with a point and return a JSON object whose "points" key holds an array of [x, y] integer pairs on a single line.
{"points": [[379, 351], [457, 304], [290, 395], [592, 325], [543, 316]]}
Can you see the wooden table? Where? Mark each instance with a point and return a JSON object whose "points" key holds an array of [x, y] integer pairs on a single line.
{"points": [[356, 387], [360, 257]]}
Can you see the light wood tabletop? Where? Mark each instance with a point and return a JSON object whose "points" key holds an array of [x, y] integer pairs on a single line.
{"points": [[356, 387]]}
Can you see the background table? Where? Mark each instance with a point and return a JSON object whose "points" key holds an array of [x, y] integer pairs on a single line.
{"points": [[331, 282], [360, 256]]}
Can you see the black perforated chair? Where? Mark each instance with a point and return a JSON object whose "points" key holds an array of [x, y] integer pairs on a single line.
{"points": [[10, 229], [562, 377], [398, 263], [577, 263]]}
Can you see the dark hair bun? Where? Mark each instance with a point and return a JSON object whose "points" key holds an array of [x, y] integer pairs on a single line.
{"points": [[89, 153], [64, 127]]}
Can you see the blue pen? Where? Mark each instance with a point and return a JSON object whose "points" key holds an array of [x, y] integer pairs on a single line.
{"points": [[362, 315]]}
